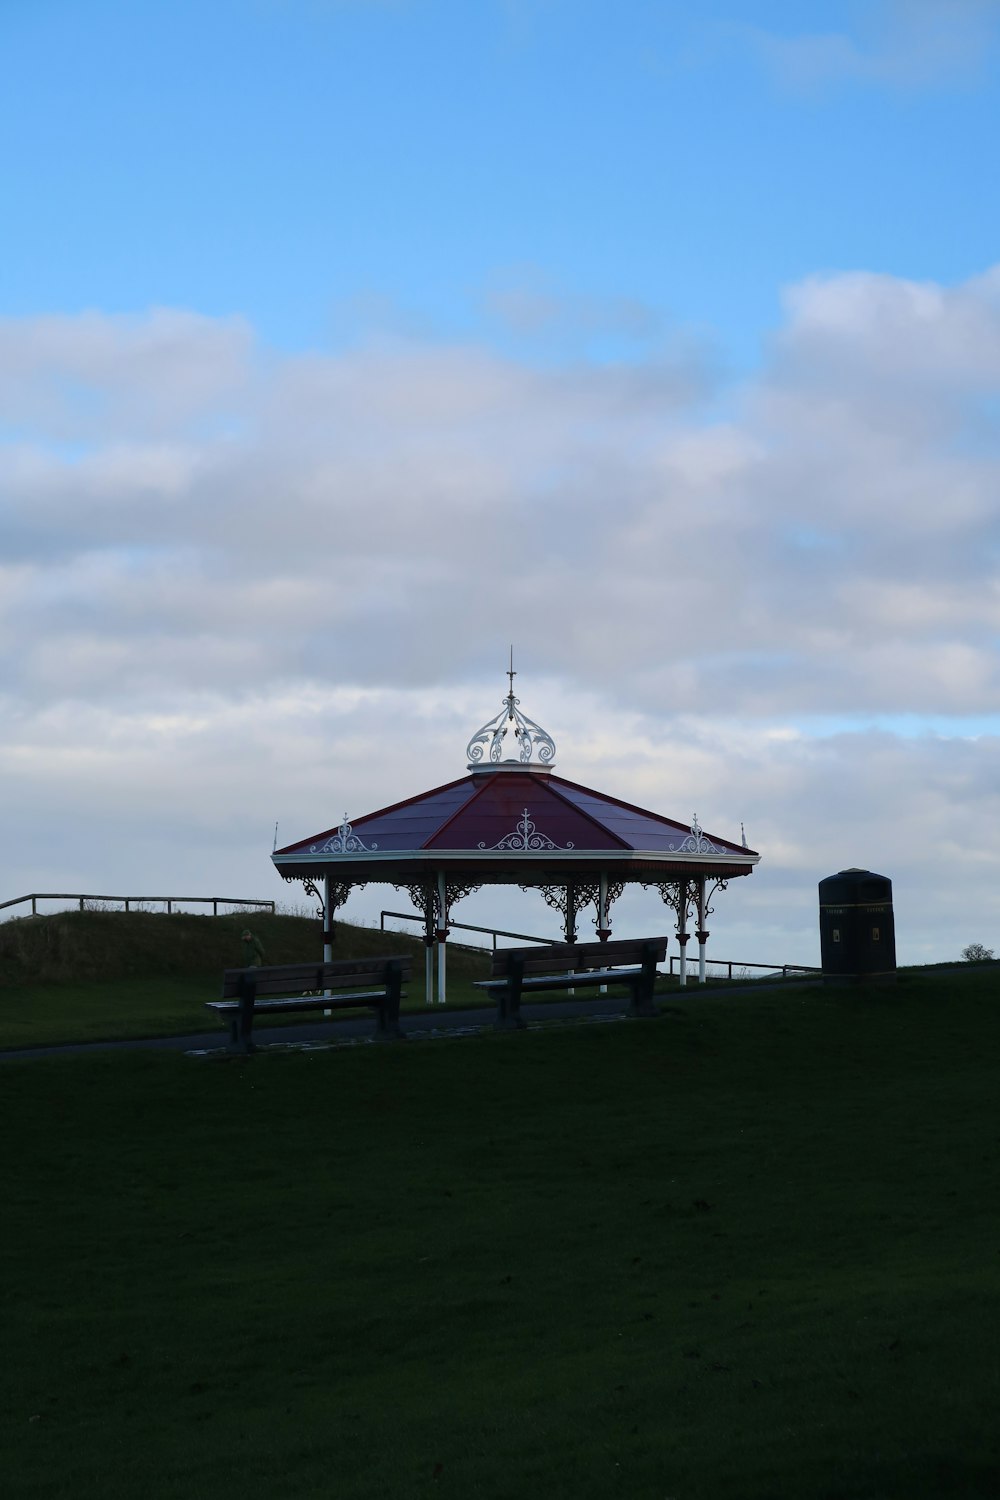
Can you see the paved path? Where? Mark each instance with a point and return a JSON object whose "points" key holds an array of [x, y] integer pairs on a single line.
{"points": [[423, 1024]]}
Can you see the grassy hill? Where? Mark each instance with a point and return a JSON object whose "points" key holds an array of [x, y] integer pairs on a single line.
{"points": [[79, 976], [74, 945]]}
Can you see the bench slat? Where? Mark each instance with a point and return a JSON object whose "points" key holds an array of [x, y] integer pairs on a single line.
{"points": [[303, 1002], [332, 966], [277, 979], [565, 956], [560, 981]]}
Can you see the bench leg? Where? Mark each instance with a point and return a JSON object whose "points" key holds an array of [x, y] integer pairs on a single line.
{"points": [[643, 988], [387, 1027], [642, 1002], [242, 1025], [509, 1016]]}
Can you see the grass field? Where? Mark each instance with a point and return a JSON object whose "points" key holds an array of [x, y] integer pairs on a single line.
{"points": [[94, 976], [106, 976], [748, 1251]]}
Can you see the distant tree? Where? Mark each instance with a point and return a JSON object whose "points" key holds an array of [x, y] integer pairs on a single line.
{"points": [[975, 953]]}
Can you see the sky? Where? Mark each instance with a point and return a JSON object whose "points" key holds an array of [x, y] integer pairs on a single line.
{"points": [[345, 343]]}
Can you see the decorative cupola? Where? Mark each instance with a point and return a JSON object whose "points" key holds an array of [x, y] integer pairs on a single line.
{"points": [[529, 737]]}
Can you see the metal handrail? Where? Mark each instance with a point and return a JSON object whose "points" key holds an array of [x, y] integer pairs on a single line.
{"points": [[413, 916], [495, 932], [738, 963], [129, 901]]}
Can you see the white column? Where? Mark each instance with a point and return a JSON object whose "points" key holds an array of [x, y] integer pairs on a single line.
{"points": [[682, 932], [327, 922], [602, 917], [327, 931], [442, 941], [702, 934], [569, 921], [428, 973]]}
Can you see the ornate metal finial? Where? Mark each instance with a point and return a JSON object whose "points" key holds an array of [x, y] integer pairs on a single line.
{"points": [[743, 836], [529, 735], [344, 841], [698, 841]]}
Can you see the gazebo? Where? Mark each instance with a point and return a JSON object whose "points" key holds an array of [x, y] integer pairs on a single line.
{"points": [[512, 821]]}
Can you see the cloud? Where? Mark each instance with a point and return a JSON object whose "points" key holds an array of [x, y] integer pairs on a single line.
{"points": [[240, 586], [94, 375], [908, 44], [527, 302]]}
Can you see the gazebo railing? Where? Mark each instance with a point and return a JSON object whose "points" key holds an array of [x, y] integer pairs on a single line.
{"points": [[138, 903], [494, 932]]}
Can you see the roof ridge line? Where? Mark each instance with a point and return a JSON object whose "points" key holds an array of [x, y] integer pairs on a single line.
{"points": [[644, 812], [581, 812], [477, 792], [380, 812]]}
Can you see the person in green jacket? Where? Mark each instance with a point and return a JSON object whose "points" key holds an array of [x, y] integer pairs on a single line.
{"points": [[253, 952]]}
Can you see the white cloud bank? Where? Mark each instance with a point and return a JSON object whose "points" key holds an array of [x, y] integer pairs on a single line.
{"points": [[237, 586]]}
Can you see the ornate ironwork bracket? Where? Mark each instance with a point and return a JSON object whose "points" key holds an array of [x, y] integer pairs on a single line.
{"points": [[671, 895], [423, 894], [456, 891], [425, 897], [340, 890], [711, 891], [570, 900], [615, 888], [312, 890]]}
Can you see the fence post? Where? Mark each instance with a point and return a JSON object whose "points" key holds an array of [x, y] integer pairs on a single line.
{"points": [[34, 907], [215, 908]]}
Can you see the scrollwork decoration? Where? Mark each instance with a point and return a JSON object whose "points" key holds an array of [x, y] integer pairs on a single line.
{"points": [[713, 890], [312, 890], [525, 838], [697, 841], [344, 841], [457, 892], [615, 888], [569, 900]]}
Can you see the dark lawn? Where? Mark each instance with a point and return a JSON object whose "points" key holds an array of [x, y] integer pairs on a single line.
{"points": [[749, 1250]]}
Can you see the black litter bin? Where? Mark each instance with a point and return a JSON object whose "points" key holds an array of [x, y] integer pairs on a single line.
{"points": [[857, 932]]}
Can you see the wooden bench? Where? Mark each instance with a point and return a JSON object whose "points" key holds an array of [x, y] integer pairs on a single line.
{"points": [[373, 982], [571, 966]]}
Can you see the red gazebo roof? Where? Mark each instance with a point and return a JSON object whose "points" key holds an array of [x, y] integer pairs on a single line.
{"points": [[510, 821]]}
